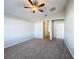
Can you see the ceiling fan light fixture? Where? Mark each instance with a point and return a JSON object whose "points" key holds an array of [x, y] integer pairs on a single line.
{"points": [[35, 8]]}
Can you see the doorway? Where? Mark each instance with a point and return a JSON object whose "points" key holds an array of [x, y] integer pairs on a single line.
{"points": [[58, 29], [46, 33]]}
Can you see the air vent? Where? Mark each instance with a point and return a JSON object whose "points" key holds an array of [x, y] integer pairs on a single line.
{"points": [[53, 9]]}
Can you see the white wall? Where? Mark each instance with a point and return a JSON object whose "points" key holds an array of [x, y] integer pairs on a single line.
{"points": [[69, 26], [17, 30], [59, 29], [38, 29], [39, 24]]}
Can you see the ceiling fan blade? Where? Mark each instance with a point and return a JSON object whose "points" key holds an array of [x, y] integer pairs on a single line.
{"points": [[30, 2], [27, 7], [40, 10], [41, 5], [36, 3]]}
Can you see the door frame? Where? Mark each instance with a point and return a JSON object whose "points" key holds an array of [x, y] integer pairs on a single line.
{"points": [[53, 26]]}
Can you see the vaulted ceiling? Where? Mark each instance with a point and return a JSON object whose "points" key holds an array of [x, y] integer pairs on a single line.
{"points": [[16, 8]]}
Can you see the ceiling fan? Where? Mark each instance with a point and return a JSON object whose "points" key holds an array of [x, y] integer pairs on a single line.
{"points": [[35, 6]]}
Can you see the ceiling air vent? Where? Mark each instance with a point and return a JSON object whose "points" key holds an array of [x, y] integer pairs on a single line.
{"points": [[52, 9]]}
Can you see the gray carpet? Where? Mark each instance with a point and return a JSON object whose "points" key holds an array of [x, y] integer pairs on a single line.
{"points": [[38, 49]]}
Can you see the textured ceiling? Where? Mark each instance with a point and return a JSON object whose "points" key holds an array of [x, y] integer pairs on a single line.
{"points": [[16, 8]]}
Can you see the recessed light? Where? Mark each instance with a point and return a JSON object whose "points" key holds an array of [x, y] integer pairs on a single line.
{"points": [[45, 15]]}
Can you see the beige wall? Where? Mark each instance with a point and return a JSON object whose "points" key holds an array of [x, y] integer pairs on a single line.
{"points": [[45, 28]]}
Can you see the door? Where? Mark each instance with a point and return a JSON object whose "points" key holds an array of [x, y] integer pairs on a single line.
{"points": [[46, 34]]}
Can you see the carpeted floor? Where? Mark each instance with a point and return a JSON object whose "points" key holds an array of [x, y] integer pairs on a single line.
{"points": [[38, 49]]}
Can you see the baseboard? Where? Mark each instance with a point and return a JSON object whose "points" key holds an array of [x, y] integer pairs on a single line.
{"points": [[58, 38], [17, 42], [68, 48]]}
